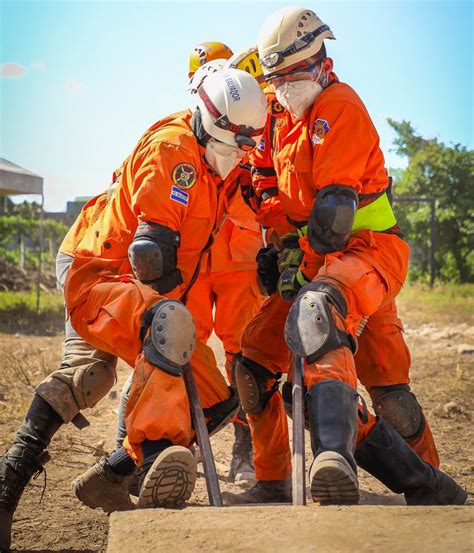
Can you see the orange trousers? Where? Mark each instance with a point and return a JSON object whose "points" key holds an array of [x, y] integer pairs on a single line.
{"points": [[109, 317], [225, 302], [369, 273]]}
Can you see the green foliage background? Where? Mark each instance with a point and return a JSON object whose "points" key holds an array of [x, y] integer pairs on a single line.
{"points": [[445, 173]]}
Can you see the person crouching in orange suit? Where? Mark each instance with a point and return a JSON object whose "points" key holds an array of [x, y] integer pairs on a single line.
{"points": [[140, 258], [332, 185], [224, 299]]}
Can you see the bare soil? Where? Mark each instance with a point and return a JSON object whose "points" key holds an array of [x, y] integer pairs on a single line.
{"points": [[442, 378]]}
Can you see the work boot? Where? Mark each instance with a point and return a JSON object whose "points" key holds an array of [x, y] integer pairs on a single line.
{"points": [[332, 413], [167, 478], [241, 465], [101, 488], [264, 491], [387, 456], [24, 460]]}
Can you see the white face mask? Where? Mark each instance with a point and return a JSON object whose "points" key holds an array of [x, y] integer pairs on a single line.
{"points": [[298, 96], [223, 157]]}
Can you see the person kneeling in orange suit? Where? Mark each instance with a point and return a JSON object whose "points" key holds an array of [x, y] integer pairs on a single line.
{"points": [[332, 185], [163, 214]]}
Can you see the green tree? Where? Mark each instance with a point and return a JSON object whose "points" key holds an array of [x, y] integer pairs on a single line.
{"points": [[445, 173]]}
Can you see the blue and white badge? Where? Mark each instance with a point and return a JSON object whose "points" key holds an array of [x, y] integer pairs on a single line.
{"points": [[179, 196], [261, 144]]}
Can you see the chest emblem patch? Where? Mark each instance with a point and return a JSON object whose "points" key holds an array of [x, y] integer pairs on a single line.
{"points": [[184, 176], [320, 129]]}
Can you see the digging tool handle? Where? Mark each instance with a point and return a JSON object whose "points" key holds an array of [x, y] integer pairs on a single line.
{"points": [[298, 479], [210, 473]]}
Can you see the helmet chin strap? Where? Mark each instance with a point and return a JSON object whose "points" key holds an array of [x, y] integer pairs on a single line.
{"points": [[198, 129]]}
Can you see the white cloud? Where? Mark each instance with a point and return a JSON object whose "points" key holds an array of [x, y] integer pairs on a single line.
{"points": [[75, 86], [38, 66], [12, 70]]}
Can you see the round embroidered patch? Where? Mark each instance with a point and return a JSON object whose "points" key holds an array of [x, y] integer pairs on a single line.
{"points": [[184, 175], [320, 129]]}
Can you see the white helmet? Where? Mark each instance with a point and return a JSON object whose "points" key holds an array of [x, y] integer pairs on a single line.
{"points": [[288, 36], [203, 72], [232, 108]]}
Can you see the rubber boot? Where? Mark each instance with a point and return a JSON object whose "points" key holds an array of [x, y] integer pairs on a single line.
{"points": [[264, 491], [241, 470], [167, 475], [101, 488], [386, 455], [24, 460], [332, 413]]}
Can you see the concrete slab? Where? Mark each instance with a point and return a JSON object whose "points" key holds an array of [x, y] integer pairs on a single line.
{"points": [[274, 529]]}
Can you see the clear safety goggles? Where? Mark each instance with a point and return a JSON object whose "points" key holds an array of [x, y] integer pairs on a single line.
{"points": [[300, 73], [276, 58], [243, 135]]}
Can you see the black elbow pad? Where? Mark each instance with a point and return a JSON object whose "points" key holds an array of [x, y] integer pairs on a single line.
{"points": [[331, 219], [153, 256]]}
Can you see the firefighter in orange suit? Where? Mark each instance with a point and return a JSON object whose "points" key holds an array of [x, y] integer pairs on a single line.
{"points": [[332, 186], [140, 258]]}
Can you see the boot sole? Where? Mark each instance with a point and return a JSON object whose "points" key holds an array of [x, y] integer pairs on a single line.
{"points": [[333, 482], [170, 479]]}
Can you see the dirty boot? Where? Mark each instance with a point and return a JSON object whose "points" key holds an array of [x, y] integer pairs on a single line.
{"points": [[241, 466], [101, 488], [24, 460], [332, 413], [387, 456], [167, 477], [264, 491]]}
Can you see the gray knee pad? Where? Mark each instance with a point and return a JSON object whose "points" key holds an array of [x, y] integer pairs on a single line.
{"points": [[310, 328], [400, 408], [85, 376], [251, 380], [172, 338]]}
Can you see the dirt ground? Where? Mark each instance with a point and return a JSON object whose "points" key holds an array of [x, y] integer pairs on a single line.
{"points": [[442, 378]]}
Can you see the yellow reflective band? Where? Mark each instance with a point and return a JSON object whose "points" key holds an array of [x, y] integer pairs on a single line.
{"points": [[302, 231], [376, 216], [301, 278]]}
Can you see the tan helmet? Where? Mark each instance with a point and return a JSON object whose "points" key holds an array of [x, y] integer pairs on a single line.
{"points": [[289, 36], [247, 60], [205, 52]]}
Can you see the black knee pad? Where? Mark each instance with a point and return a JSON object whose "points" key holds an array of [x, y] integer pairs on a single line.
{"points": [[400, 408], [310, 329], [251, 380]]}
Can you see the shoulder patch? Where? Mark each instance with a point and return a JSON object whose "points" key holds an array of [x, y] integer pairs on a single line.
{"points": [[184, 175], [179, 196], [276, 108], [320, 129]]}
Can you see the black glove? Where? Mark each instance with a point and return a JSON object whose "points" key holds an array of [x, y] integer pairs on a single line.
{"points": [[267, 269]]}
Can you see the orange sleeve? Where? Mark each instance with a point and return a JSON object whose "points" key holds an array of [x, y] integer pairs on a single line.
{"points": [[158, 195], [343, 139]]}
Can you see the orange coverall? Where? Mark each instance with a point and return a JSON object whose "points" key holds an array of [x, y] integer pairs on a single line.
{"points": [[336, 143], [228, 281], [106, 303]]}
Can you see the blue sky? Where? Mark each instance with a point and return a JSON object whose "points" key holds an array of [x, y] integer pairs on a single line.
{"points": [[87, 78]]}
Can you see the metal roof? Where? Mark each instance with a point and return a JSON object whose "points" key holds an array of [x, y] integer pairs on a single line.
{"points": [[16, 180]]}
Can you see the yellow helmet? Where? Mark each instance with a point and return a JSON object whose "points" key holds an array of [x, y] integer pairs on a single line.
{"points": [[207, 51], [247, 60]]}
